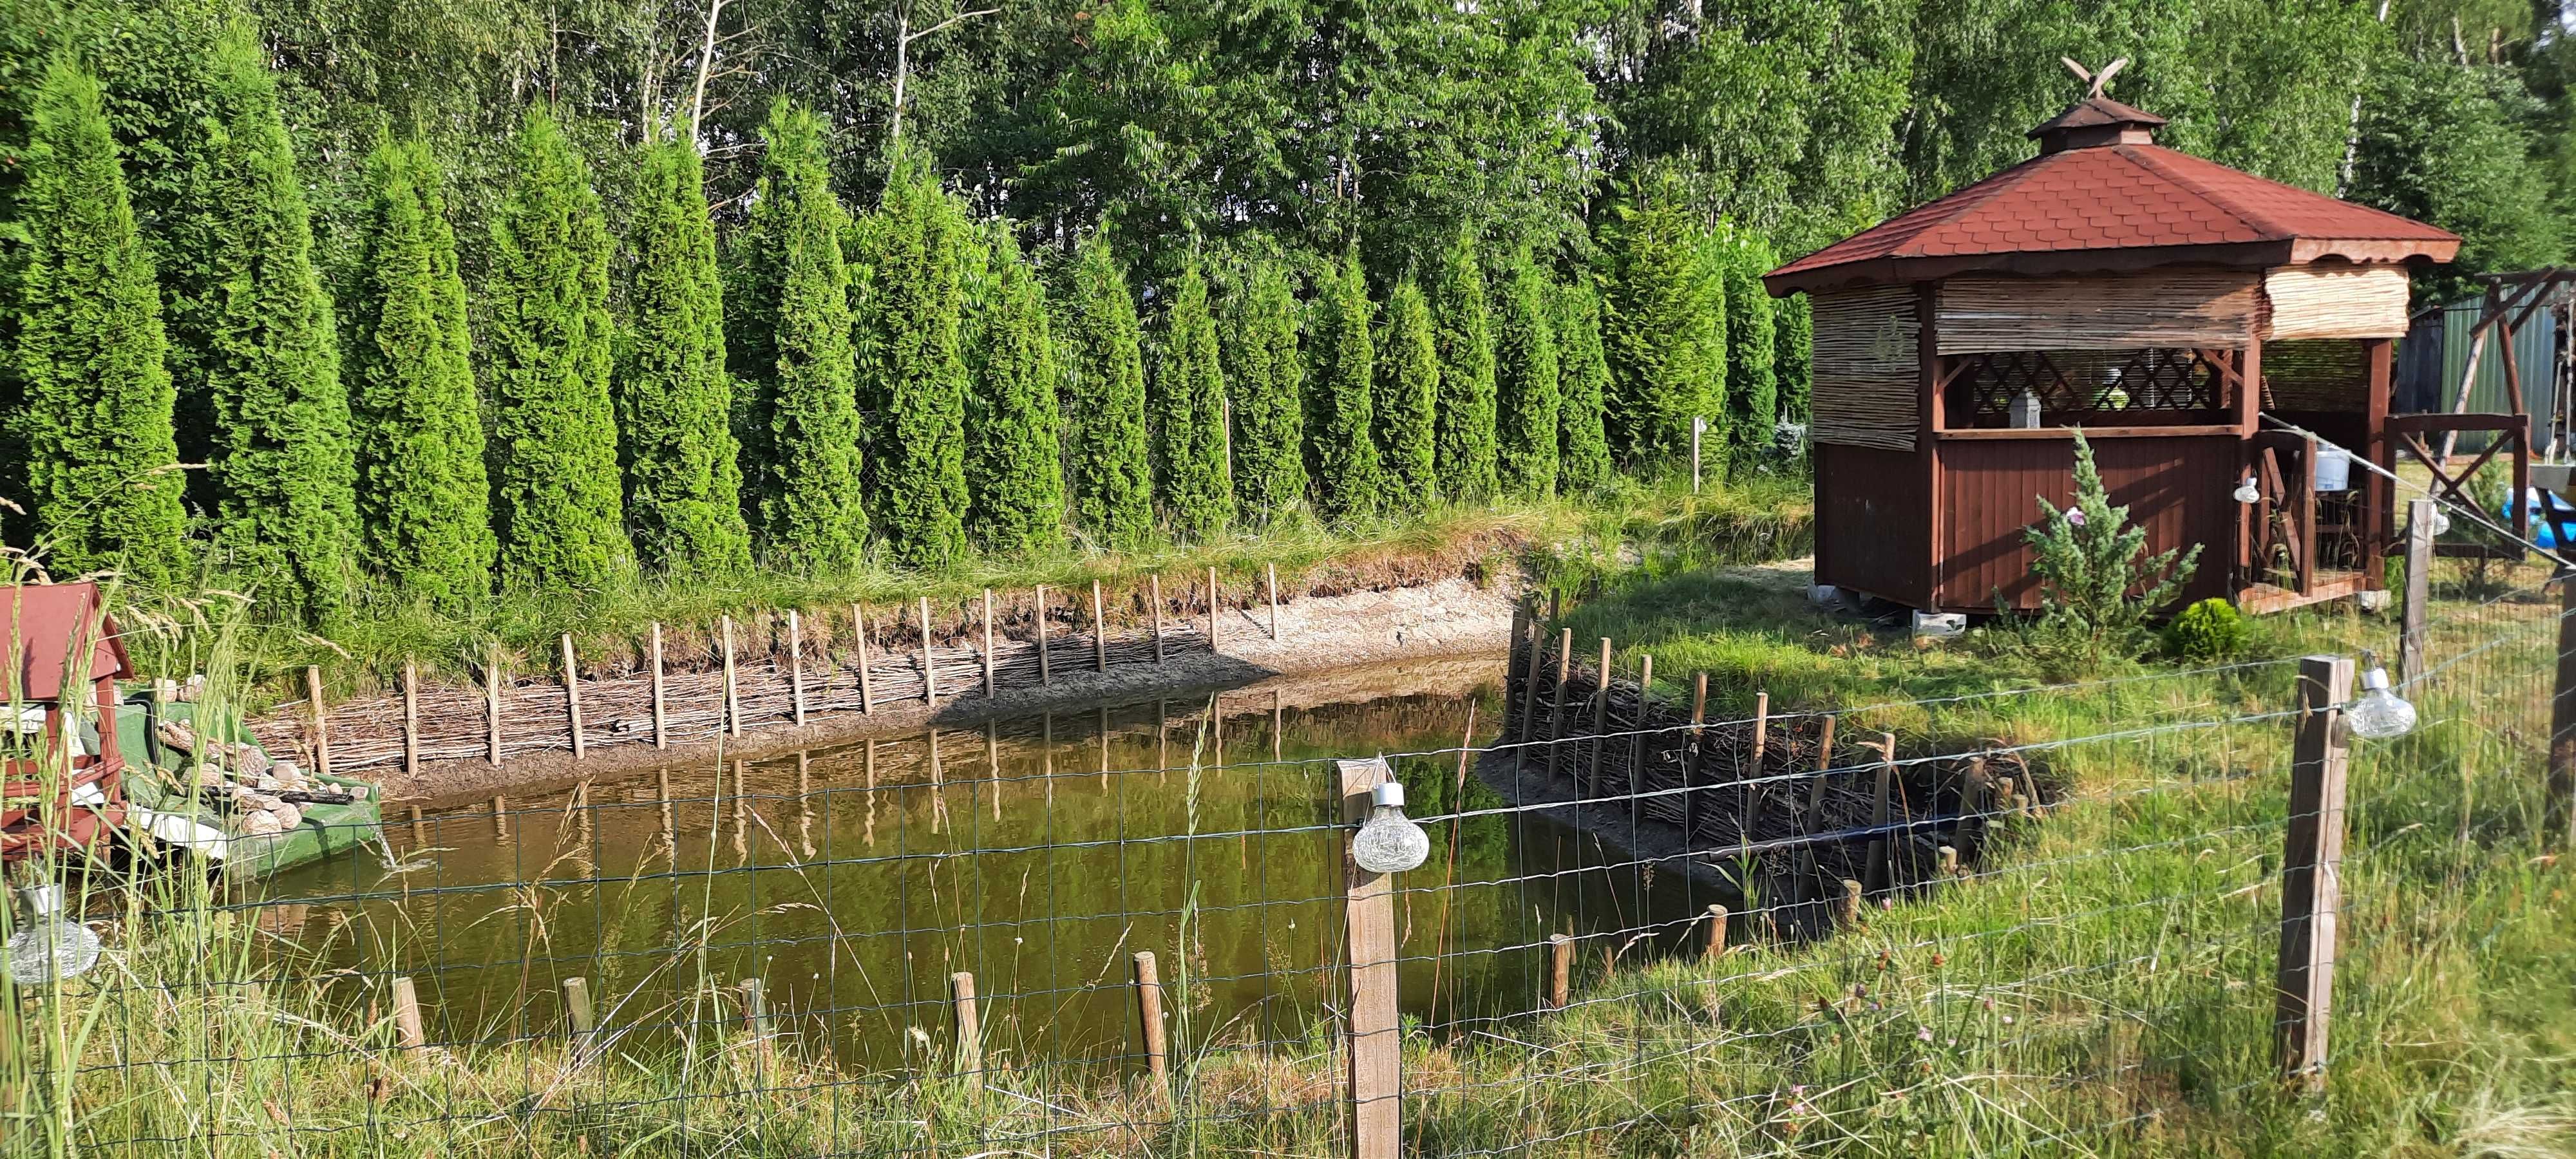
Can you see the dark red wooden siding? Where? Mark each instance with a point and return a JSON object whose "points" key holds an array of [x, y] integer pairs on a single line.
{"points": [[1874, 522], [2178, 488]]}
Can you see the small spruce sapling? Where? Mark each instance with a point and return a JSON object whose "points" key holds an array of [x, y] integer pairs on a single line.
{"points": [[2098, 584]]}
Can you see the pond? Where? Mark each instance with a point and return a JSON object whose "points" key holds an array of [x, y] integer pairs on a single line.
{"points": [[1038, 854]]}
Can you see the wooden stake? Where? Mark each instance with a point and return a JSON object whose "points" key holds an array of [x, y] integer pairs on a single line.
{"points": [[578, 1013], [1556, 725], [1716, 931], [2561, 814], [1154, 596], [1524, 631], [1637, 742], [572, 696], [1149, 1017], [1375, 1049], [1851, 902], [1099, 632], [1045, 679], [492, 708], [2312, 869], [970, 1033], [1560, 970], [733, 699], [1270, 576], [1949, 860], [1880, 868], [411, 719], [321, 720], [796, 665], [1600, 714], [1761, 729], [988, 642], [661, 718], [929, 671], [1690, 761], [755, 1016], [1212, 598], [859, 629], [407, 1029], [2419, 589]]}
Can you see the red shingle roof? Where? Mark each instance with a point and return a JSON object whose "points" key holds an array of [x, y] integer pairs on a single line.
{"points": [[2103, 198], [40, 624]]}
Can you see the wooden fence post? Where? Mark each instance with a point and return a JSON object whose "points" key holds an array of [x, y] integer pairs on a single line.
{"points": [[1149, 1016], [1690, 761], [1154, 596], [572, 696], [1560, 970], [733, 700], [2419, 589], [1716, 931], [2561, 813], [411, 718], [1600, 715], [407, 1028], [1879, 871], [796, 665], [970, 1031], [859, 629], [2312, 869], [1524, 631], [988, 643], [1270, 577], [1375, 1050], [321, 720], [492, 708], [578, 1013], [1099, 632], [661, 718], [755, 1016], [1045, 678], [1637, 739], [1556, 705], [929, 667]]}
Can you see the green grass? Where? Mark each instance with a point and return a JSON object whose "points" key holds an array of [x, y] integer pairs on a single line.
{"points": [[2101, 988]]}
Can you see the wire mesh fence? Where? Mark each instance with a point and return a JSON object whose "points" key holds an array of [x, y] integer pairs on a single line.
{"points": [[2048, 919]]}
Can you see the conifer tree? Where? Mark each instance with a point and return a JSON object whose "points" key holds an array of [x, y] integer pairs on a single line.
{"points": [[101, 464], [424, 503], [1465, 431], [1793, 335], [1190, 422], [1014, 468], [1108, 461], [796, 413], [1341, 450], [282, 470], [1583, 453], [1407, 399], [555, 492], [1526, 384], [911, 370], [1662, 328], [1752, 390], [1267, 375], [674, 395]]}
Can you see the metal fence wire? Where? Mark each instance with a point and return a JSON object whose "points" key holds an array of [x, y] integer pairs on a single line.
{"points": [[2076, 918]]}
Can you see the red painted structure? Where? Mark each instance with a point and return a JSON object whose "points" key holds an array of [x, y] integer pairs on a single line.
{"points": [[2116, 287], [60, 647]]}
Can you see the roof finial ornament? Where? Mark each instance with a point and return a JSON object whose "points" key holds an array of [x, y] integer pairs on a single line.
{"points": [[2097, 79]]}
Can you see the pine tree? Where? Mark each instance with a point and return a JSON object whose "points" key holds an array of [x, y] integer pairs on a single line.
{"points": [[1407, 398], [1267, 375], [1752, 390], [1662, 328], [1190, 426], [1793, 336], [1109, 470], [796, 413], [283, 473], [674, 396], [1341, 451], [1583, 454], [1465, 432], [424, 503], [555, 493], [911, 370], [1526, 384], [102, 461], [1014, 468]]}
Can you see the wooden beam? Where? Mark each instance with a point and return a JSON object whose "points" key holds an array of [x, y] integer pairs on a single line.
{"points": [[2311, 870], [1375, 1050]]}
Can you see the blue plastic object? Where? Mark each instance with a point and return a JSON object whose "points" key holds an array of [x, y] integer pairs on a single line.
{"points": [[2544, 532]]}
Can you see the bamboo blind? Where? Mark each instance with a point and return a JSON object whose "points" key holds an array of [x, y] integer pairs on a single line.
{"points": [[1866, 369], [2315, 375], [2176, 307], [2336, 300]]}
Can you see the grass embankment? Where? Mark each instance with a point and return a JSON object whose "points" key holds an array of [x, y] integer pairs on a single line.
{"points": [[1766, 517], [2102, 988]]}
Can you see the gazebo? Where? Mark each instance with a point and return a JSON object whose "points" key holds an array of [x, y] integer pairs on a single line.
{"points": [[2184, 316]]}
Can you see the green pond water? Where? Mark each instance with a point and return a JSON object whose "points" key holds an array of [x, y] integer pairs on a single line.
{"points": [[852, 882]]}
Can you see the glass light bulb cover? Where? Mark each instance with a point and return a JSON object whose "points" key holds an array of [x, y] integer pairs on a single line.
{"points": [[2380, 714], [51, 948], [1389, 842], [2247, 492]]}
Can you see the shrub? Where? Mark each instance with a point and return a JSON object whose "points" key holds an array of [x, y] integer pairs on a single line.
{"points": [[2208, 630], [2098, 585]]}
